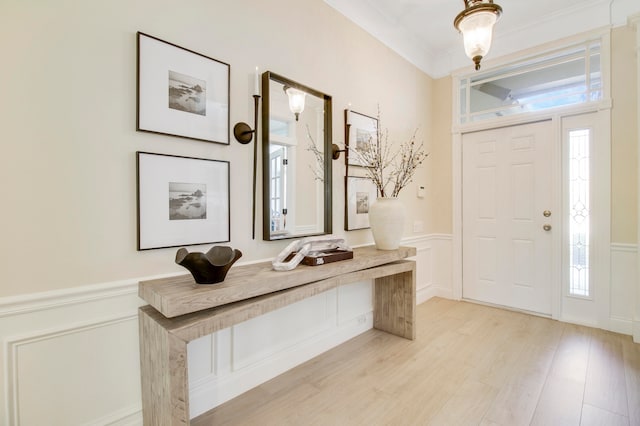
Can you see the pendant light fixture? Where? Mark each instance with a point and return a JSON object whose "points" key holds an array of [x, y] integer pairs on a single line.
{"points": [[296, 100], [476, 23]]}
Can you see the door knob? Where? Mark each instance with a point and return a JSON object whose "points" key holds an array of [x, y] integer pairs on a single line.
{"points": [[546, 227]]}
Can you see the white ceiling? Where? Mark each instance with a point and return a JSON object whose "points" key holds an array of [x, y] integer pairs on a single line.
{"points": [[422, 30]]}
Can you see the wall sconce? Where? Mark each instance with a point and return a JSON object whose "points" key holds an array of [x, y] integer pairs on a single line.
{"points": [[242, 131], [476, 23], [243, 134], [335, 151], [296, 100]]}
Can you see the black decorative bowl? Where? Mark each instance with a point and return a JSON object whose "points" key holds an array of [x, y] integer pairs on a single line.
{"points": [[210, 267]]}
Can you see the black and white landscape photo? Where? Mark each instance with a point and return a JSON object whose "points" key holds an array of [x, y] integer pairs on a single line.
{"points": [[363, 139], [187, 201], [362, 202], [187, 93]]}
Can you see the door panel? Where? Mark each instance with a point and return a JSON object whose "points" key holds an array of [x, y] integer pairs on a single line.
{"points": [[507, 185]]}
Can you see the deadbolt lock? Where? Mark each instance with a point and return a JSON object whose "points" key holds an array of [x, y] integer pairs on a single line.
{"points": [[546, 213]]}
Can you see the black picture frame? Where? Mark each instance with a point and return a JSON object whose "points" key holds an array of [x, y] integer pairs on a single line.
{"points": [[360, 192], [181, 201], [361, 129], [181, 92]]}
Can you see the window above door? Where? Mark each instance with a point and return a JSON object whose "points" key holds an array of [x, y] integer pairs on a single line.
{"points": [[566, 77]]}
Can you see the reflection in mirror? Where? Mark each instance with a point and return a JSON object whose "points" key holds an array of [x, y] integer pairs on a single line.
{"points": [[296, 158]]}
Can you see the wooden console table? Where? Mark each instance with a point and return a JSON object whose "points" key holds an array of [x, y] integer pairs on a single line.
{"points": [[180, 311]]}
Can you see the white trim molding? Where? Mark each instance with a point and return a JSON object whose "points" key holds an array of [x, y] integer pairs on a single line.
{"points": [[624, 276], [13, 346], [29, 303], [71, 342], [434, 267]]}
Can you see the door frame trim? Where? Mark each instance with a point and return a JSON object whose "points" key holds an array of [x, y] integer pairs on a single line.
{"points": [[456, 158], [603, 108]]}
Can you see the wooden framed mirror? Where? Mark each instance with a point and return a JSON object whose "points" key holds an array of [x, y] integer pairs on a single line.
{"points": [[296, 159]]}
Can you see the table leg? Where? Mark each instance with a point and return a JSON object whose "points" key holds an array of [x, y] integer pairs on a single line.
{"points": [[163, 364], [395, 304]]}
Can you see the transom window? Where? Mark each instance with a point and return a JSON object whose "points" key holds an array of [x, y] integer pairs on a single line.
{"points": [[568, 77]]}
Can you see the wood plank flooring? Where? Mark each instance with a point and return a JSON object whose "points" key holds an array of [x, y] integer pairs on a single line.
{"points": [[470, 365]]}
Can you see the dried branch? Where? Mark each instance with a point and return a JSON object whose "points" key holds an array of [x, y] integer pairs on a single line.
{"points": [[318, 168], [384, 165]]}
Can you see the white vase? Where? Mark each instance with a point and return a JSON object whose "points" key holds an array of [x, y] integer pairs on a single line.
{"points": [[386, 218]]}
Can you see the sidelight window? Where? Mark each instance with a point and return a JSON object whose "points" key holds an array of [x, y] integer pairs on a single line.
{"points": [[579, 212]]}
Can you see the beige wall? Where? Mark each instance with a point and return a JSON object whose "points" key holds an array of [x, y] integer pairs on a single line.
{"points": [[624, 136], [441, 211], [68, 111]]}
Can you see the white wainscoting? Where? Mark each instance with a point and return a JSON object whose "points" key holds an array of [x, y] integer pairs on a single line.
{"points": [[624, 278], [71, 357], [433, 264]]}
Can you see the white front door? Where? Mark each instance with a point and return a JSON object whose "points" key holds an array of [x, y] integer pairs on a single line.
{"points": [[507, 197]]}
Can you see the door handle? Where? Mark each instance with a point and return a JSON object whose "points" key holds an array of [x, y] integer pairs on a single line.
{"points": [[546, 227]]}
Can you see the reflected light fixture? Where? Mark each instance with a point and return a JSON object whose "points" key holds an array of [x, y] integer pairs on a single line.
{"points": [[296, 100], [476, 23]]}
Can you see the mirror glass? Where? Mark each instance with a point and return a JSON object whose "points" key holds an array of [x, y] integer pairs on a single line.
{"points": [[296, 159]]}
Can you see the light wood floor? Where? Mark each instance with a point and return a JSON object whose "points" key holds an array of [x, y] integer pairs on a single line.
{"points": [[470, 365]]}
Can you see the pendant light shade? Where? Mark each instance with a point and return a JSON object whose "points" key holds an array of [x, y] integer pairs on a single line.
{"points": [[476, 23], [296, 100]]}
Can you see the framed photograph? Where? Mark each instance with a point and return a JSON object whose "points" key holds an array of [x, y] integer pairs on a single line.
{"points": [[360, 193], [181, 201], [181, 93], [361, 132]]}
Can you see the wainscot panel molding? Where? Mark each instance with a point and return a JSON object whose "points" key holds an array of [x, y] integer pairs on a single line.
{"points": [[29, 303], [624, 278], [434, 265], [71, 356], [89, 336]]}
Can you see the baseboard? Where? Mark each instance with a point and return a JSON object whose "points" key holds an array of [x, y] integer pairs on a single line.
{"points": [[424, 294], [579, 321], [621, 325], [429, 292], [131, 416]]}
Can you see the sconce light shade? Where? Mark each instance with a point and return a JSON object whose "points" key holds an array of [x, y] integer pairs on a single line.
{"points": [[476, 25], [296, 100]]}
